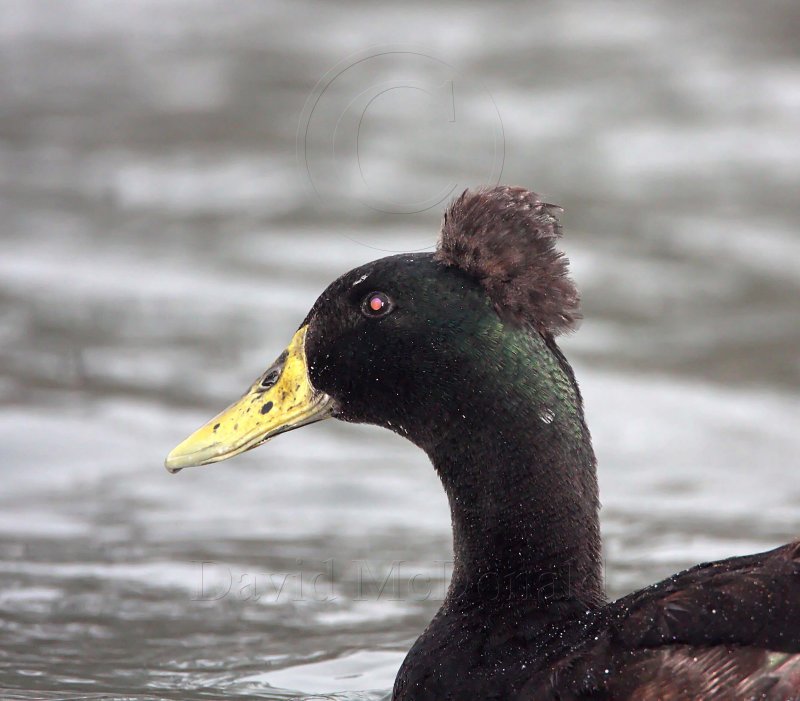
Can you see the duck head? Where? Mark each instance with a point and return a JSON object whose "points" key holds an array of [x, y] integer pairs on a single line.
{"points": [[407, 341]]}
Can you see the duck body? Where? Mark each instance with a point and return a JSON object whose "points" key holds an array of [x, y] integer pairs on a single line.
{"points": [[721, 631], [456, 351]]}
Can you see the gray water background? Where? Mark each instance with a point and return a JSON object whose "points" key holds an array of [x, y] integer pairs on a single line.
{"points": [[164, 232]]}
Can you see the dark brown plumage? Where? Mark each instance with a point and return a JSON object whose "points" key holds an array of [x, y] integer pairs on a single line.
{"points": [[722, 631], [506, 238]]}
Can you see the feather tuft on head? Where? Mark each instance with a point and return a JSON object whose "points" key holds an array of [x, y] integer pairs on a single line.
{"points": [[506, 238]]}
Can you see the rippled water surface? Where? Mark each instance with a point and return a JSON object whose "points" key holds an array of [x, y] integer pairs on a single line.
{"points": [[162, 240]]}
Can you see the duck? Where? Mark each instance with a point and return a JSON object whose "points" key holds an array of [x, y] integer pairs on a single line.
{"points": [[456, 350]]}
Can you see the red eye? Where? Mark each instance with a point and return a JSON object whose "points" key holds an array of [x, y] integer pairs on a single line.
{"points": [[376, 304]]}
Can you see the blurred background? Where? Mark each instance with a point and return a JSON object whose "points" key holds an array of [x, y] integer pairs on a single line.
{"points": [[179, 179]]}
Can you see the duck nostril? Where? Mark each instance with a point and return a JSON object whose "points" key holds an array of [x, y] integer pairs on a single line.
{"points": [[270, 379]]}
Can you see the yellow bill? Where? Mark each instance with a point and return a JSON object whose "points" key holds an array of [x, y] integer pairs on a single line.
{"points": [[280, 400]]}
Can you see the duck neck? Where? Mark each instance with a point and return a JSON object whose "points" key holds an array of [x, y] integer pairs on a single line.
{"points": [[517, 464]]}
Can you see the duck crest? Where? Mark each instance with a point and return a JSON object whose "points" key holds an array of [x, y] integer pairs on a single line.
{"points": [[505, 237]]}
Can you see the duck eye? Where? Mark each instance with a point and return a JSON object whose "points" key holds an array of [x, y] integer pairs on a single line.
{"points": [[376, 304]]}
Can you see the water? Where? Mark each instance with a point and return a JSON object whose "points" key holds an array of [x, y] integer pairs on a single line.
{"points": [[161, 243]]}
